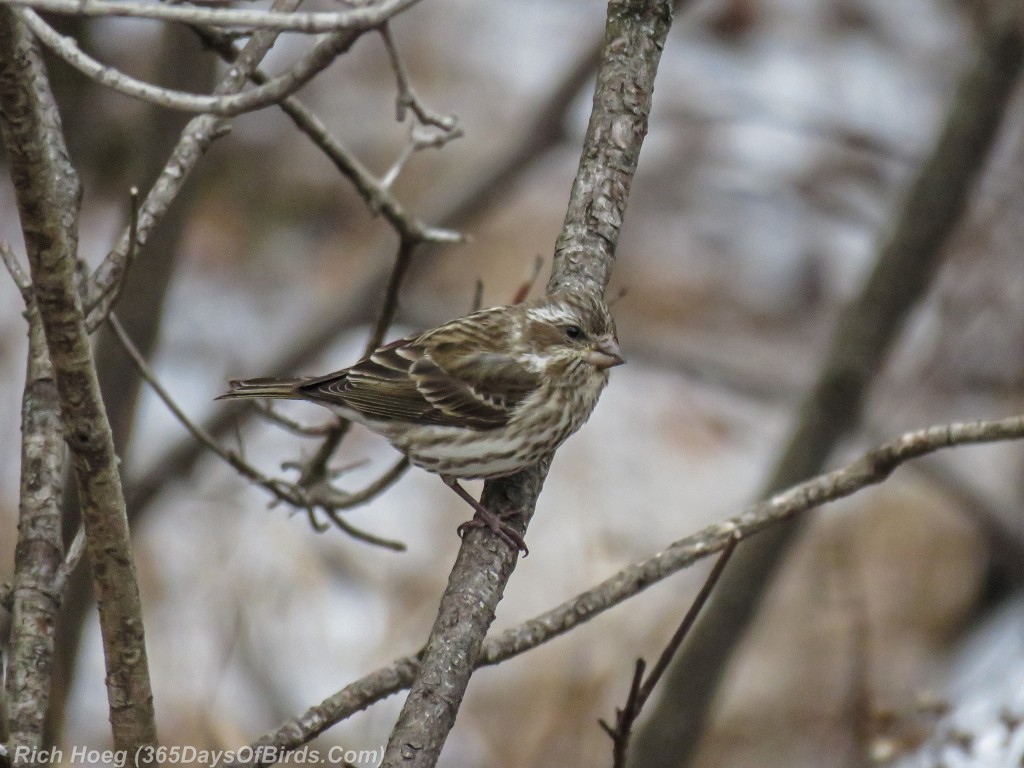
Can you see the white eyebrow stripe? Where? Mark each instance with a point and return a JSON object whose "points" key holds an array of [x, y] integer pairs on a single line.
{"points": [[549, 314]]}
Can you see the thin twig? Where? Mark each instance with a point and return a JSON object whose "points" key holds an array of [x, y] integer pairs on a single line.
{"points": [[478, 296], [419, 139], [373, 191], [193, 143], [871, 468], [314, 61], [527, 285], [71, 558], [315, 472], [271, 414], [378, 486], [17, 273], [323, 495], [358, 19], [403, 260], [640, 690], [407, 98], [113, 292]]}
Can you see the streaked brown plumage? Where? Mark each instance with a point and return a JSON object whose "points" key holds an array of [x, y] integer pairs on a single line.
{"points": [[482, 396]]}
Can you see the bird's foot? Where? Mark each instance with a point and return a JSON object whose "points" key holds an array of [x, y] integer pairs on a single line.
{"points": [[484, 518]]}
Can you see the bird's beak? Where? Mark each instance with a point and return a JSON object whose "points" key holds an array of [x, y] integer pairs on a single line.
{"points": [[605, 354]]}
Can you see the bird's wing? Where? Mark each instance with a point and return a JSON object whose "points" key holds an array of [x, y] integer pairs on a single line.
{"points": [[427, 380]]}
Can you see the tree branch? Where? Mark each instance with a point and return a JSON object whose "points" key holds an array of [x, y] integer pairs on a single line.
{"points": [[641, 688], [359, 19], [322, 495], [161, 217], [544, 131], [634, 36], [375, 193], [195, 139], [908, 260], [869, 469], [407, 98], [318, 58], [48, 195], [39, 554]]}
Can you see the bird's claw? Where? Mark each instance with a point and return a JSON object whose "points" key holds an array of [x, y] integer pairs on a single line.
{"points": [[501, 528]]}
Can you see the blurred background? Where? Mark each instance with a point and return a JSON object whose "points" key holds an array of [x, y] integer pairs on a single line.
{"points": [[783, 135]]}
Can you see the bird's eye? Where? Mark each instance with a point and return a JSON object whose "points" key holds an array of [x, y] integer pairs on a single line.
{"points": [[574, 332]]}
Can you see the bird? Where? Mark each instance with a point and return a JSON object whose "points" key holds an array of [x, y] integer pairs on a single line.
{"points": [[480, 397]]}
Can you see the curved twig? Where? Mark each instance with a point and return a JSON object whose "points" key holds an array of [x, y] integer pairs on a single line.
{"points": [[318, 58], [357, 19], [407, 98], [16, 271], [323, 495]]}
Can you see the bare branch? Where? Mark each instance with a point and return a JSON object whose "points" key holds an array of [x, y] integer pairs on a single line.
{"points": [[386, 316], [908, 260], [48, 195], [315, 473], [374, 192], [195, 139], [40, 551], [272, 415], [18, 275], [123, 261], [871, 468], [478, 296], [358, 19], [359, 534], [71, 559], [407, 98], [419, 139], [527, 285], [640, 690], [377, 487], [318, 58], [322, 495], [635, 33]]}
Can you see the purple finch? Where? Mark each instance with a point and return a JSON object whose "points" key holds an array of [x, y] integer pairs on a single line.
{"points": [[482, 396]]}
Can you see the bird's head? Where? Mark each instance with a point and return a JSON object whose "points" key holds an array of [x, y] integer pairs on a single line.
{"points": [[572, 332]]}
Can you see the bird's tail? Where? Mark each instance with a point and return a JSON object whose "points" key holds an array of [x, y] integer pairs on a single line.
{"points": [[286, 389]]}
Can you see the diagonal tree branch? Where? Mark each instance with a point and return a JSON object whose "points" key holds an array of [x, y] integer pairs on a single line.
{"points": [[39, 554], [48, 195], [634, 36], [907, 263], [871, 468]]}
